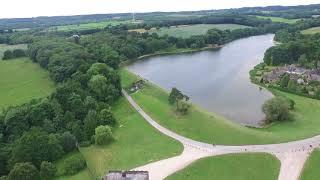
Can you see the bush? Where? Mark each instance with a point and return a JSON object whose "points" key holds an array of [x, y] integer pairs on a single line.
{"points": [[74, 164], [18, 53], [47, 170], [276, 109]]}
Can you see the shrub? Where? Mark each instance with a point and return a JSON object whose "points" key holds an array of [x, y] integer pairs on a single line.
{"points": [[47, 170], [74, 164], [18, 53], [7, 55], [276, 109]]}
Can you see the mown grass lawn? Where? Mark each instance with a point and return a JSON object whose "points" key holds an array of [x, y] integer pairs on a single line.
{"points": [[311, 168], [279, 19], [21, 80], [4, 47], [208, 127], [185, 31], [233, 166], [137, 143], [313, 30]]}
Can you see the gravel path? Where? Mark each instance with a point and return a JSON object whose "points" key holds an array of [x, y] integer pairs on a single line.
{"points": [[292, 155]]}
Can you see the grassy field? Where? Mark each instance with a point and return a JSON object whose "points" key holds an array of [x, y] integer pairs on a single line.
{"points": [[86, 26], [21, 80], [279, 19], [137, 143], [4, 47], [233, 166], [186, 31], [311, 168], [313, 30], [208, 127]]}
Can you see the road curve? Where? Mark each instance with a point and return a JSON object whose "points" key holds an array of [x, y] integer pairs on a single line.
{"points": [[292, 155]]}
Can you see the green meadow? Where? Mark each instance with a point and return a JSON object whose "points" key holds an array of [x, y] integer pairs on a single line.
{"points": [[22, 80], [251, 166]]}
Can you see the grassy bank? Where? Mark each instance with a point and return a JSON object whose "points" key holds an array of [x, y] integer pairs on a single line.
{"points": [[233, 166], [137, 143], [21, 80], [208, 127], [311, 168]]}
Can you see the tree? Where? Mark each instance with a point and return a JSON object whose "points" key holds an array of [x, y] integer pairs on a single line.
{"points": [[68, 142], [36, 146], [103, 135], [292, 85], [106, 117], [276, 109], [74, 164], [90, 123], [47, 170], [24, 171], [284, 81], [180, 99]]}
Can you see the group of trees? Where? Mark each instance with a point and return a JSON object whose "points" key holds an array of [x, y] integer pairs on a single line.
{"points": [[42, 131], [11, 54], [304, 50]]}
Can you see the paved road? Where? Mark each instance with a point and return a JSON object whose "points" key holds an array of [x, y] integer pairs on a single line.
{"points": [[292, 155]]}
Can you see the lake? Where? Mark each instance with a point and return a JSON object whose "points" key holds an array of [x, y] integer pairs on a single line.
{"points": [[216, 80]]}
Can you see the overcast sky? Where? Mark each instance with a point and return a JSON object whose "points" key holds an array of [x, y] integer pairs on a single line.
{"points": [[33, 8]]}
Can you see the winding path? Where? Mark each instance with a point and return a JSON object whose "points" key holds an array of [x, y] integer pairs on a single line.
{"points": [[292, 155]]}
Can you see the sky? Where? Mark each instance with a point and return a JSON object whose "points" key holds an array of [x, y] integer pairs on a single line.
{"points": [[34, 8]]}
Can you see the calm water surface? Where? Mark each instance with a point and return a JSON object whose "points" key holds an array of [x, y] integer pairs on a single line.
{"points": [[216, 80]]}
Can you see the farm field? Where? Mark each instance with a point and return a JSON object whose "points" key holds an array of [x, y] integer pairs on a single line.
{"points": [[208, 127], [313, 30], [21, 80], [311, 170], [137, 143], [185, 31], [279, 19], [233, 166], [4, 47], [86, 26]]}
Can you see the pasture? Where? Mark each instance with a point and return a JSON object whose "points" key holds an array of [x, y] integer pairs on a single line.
{"points": [[313, 30], [185, 31], [279, 19], [233, 166], [21, 80]]}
